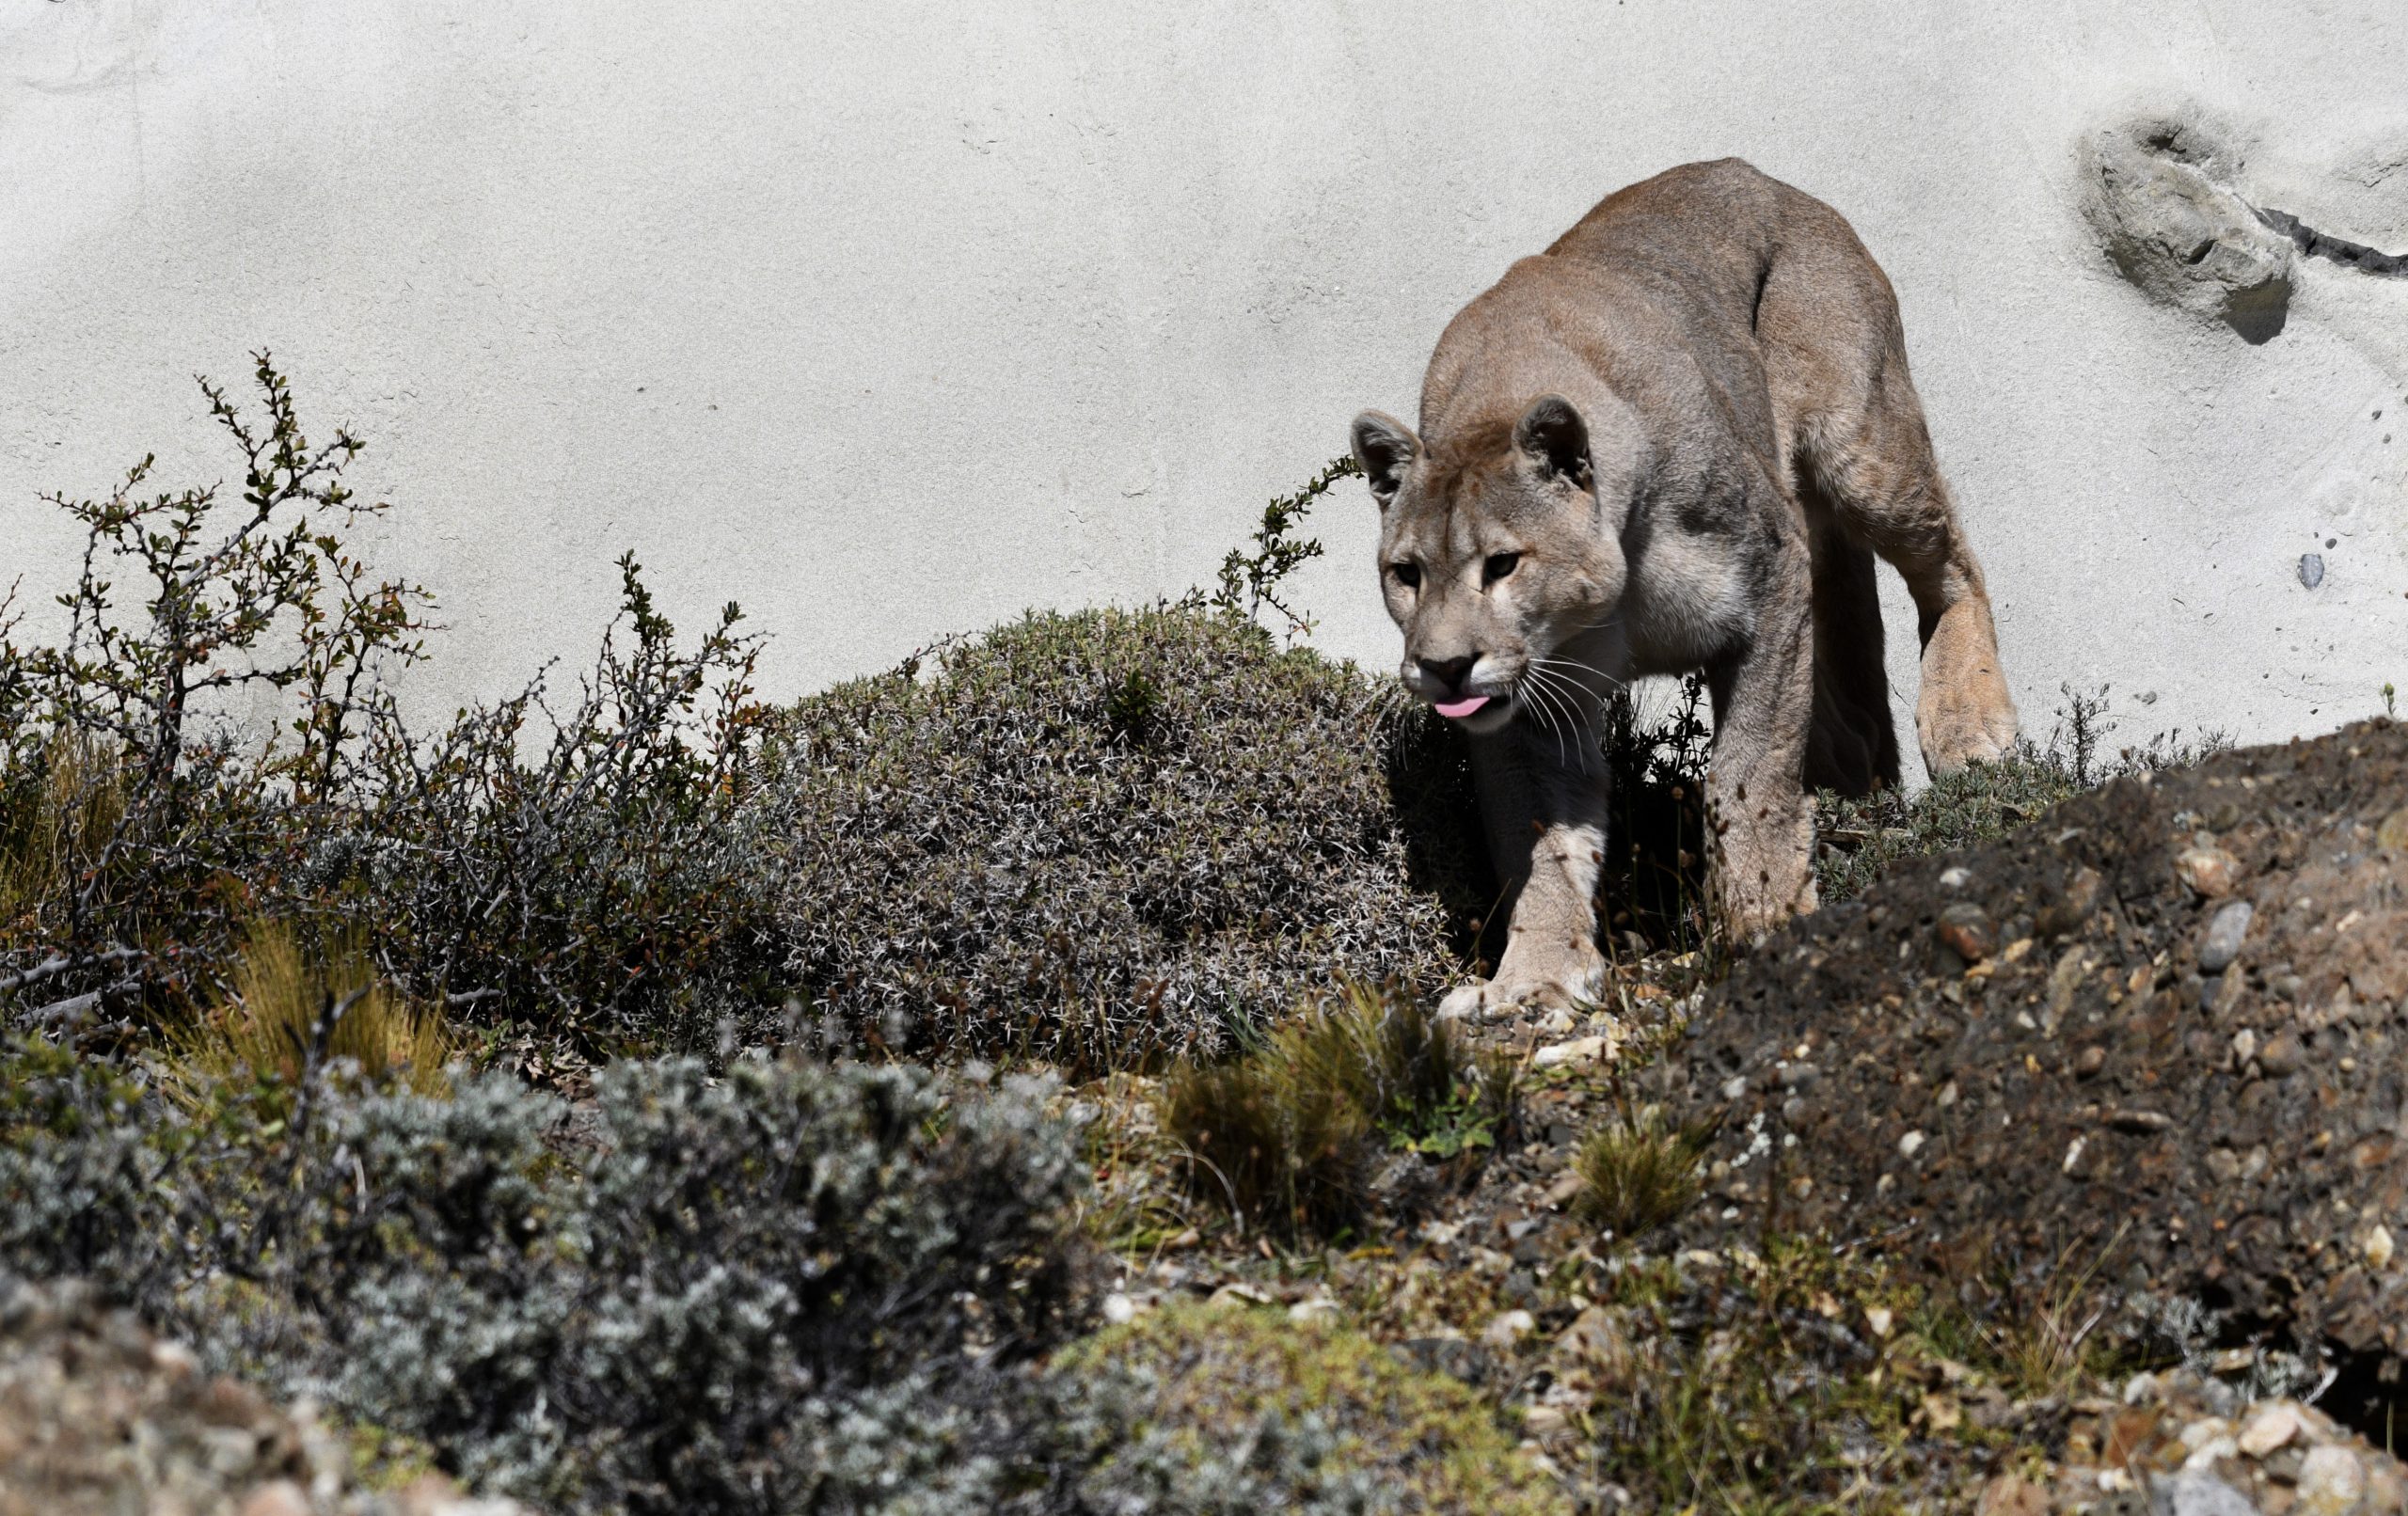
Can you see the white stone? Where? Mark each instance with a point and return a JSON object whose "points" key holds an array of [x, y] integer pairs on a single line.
{"points": [[2268, 1429], [1578, 1051], [1119, 1309], [2378, 1247], [1910, 1143], [1509, 1328], [2330, 1481]]}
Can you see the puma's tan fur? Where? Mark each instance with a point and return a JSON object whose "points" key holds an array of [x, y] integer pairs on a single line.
{"points": [[1675, 441]]}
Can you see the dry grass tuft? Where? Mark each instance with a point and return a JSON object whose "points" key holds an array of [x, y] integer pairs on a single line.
{"points": [[1287, 1134], [1639, 1172], [280, 994]]}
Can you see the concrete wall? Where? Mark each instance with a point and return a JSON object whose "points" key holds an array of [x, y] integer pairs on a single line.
{"points": [[889, 320]]}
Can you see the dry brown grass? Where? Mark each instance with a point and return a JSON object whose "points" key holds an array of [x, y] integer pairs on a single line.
{"points": [[281, 992]]}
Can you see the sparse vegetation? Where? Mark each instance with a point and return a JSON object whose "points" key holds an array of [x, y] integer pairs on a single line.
{"points": [[1234, 1408], [1861, 839], [1637, 1171], [340, 1055], [1288, 1134]]}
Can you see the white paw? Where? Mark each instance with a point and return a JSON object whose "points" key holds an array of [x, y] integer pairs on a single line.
{"points": [[1466, 1002], [1478, 999]]}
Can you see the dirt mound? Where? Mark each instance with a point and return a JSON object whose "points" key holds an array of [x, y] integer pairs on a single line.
{"points": [[2151, 1049]]}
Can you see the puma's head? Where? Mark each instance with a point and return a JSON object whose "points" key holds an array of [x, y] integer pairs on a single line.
{"points": [[1498, 545]]}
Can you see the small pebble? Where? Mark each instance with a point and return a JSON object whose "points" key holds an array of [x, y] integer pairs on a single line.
{"points": [[2311, 569], [2269, 1430], [2226, 929], [2208, 871], [1967, 929], [1578, 1051], [1509, 1328], [2281, 1054]]}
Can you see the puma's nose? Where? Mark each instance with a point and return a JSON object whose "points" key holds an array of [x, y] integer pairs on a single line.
{"points": [[1450, 673]]}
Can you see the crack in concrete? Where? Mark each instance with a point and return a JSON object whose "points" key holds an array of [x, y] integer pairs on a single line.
{"points": [[2341, 250]]}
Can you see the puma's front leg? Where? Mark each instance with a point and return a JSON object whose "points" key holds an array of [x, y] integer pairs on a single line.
{"points": [[1763, 852], [1545, 817]]}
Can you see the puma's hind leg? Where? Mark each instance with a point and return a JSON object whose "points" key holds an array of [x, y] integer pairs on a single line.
{"points": [[1878, 472], [1852, 747]]}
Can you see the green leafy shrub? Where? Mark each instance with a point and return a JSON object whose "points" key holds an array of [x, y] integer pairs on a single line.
{"points": [[1103, 838], [790, 1288], [1287, 1135], [1222, 1411]]}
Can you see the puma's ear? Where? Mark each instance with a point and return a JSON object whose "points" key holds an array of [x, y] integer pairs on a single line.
{"points": [[1385, 447], [1552, 432]]}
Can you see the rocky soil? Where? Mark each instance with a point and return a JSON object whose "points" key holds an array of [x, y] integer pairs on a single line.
{"points": [[2065, 1174], [2152, 1050], [98, 1416]]}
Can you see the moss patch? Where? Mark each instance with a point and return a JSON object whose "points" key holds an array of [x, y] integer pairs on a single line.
{"points": [[1214, 1380]]}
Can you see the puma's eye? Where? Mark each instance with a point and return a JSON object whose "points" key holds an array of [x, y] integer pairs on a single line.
{"points": [[1408, 575], [1498, 565]]}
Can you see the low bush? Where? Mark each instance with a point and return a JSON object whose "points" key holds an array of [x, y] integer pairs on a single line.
{"points": [[1288, 1135], [1100, 839], [1105, 838], [1859, 840], [790, 1288], [570, 868]]}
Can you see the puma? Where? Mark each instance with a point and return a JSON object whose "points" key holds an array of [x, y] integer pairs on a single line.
{"points": [[1672, 442]]}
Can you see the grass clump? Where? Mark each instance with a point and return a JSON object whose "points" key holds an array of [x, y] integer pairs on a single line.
{"points": [[1287, 1135], [1639, 1171], [1792, 1379], [1229, 1408], [1105, 838], [285, 1007]]}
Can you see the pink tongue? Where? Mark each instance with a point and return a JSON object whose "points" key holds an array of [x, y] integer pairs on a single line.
{"points": [[1460, 707]]}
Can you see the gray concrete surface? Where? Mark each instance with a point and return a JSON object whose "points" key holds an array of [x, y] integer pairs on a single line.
{"points": [[889, 319]]}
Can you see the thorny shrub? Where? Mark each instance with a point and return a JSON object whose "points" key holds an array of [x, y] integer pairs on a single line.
{"points": [[1104, 838], [1100, 839], [571, 868]]}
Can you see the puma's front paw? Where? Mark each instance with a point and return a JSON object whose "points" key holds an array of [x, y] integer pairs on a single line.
{"points": [[1478, 1000]]}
